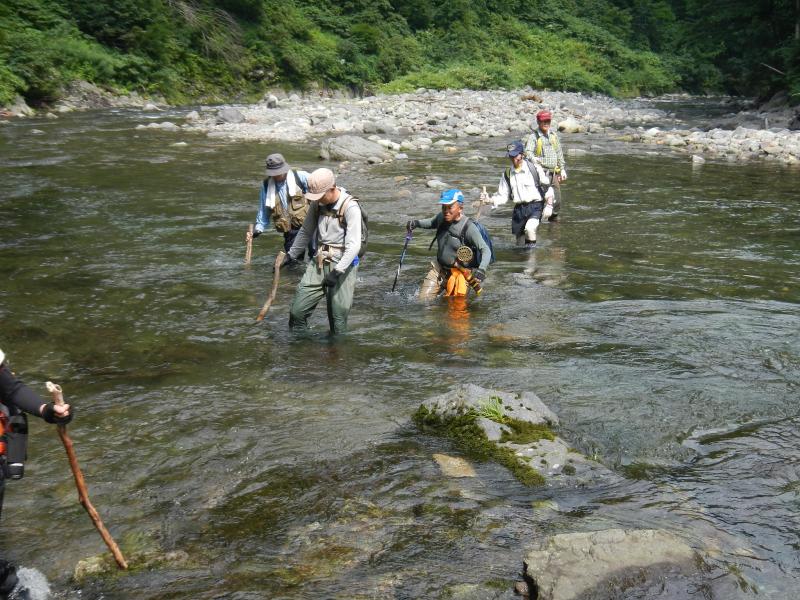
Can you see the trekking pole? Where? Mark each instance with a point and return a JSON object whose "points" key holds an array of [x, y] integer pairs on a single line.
{"points": [[402, 256], [83, 494], [275, 279], [248, 251]]}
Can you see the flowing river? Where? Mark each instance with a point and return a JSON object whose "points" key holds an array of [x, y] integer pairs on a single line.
{"points": [[660, 319]]}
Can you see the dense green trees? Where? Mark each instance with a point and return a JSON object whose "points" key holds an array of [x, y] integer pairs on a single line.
{"points": [[193, 49]]}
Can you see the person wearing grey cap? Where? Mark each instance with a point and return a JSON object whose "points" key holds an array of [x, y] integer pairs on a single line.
{"points": [[282, 200], [336, 222]]}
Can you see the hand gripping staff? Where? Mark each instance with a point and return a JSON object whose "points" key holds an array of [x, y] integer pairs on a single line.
{"points": [[83, 494], [402, 256], [276, 277]]}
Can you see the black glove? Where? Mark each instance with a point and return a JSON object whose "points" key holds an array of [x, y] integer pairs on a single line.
{"points": [[412, 224], [479, 274], [49, 415], [331, 278], [256, 233], [287, 260]]}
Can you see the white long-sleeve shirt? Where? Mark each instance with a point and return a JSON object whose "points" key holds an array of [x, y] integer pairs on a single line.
{"points": [[521, 186]]}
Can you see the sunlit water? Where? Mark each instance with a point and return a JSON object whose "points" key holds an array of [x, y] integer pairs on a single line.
{"points": [[659, 319]]}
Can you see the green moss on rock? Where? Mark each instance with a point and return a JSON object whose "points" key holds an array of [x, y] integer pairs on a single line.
{"points": [[464, 430]]}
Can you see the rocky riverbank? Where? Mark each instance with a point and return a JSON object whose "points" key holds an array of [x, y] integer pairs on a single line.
{"points": [[406, 122]]}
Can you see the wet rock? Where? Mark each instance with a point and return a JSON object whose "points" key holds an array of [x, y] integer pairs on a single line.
{"points": [[229, 115], [698, 160], [453, 466], [570, 125], [354, 148], [613, 563], [192, 116], [272, 101], [436, 184], [19, 108]]}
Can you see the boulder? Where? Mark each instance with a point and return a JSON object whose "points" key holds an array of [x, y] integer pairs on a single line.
{"points": [[20, 108], [613, 563], [352, 147], [229, 115], [570, 125]]}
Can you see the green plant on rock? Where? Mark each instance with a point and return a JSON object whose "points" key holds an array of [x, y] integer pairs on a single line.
{"points": [[492, 409], [464, 430]]}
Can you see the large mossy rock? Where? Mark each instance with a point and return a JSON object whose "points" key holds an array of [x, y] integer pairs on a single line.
{"points": [[514, 430]]}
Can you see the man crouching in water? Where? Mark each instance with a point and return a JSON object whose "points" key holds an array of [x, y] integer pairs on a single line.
{"points": [[463, 255]]}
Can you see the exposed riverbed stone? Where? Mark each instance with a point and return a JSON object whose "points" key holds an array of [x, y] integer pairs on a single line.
{"points": [[353, 148], [513, 429], [614, 563]]}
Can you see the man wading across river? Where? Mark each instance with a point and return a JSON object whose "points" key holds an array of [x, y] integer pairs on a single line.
{"points": [[281, 200], [334, 220], [455, 234], [544, 147], [527, 185]]}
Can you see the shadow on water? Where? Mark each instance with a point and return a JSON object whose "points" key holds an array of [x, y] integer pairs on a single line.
{"points": [[663, 305]]}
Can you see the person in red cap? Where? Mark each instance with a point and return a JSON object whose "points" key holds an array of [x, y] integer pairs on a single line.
{"points": [[334, 220], [544, 147]]}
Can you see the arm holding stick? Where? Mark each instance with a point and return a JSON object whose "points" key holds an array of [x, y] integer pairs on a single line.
{"points": [[62, 410]]}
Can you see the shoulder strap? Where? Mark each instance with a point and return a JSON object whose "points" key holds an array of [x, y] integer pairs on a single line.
{"points": [[297, 180], [535, 172], [553, 140], [463, 233]]}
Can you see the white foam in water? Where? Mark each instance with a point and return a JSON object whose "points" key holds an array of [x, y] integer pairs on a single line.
{"points": [[32, 585]]}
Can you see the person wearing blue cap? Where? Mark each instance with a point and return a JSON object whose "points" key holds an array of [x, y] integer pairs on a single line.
{"points": [[462, 256], [527, 185]]}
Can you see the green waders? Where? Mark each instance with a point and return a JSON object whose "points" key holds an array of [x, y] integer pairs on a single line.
{"points": [[310, 291]]}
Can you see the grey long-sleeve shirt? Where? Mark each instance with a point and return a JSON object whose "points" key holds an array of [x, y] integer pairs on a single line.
{"points": [[344, 239], [448, 239]]}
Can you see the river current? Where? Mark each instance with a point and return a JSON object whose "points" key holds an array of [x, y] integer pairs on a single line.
{"points": [[659, 319]]}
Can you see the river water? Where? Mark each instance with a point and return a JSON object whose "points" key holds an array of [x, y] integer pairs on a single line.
{"points": [[659, 319]]}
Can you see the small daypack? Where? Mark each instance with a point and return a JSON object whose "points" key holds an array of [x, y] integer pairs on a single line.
{"points": [[486, 238], [343, 222]]}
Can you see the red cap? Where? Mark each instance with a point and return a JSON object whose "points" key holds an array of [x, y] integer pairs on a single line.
{"points": [[544, 115]]}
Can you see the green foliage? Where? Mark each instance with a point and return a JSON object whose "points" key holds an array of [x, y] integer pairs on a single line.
{"points": [[205, 48]]}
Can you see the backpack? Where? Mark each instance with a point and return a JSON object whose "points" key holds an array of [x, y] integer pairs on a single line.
{"points": [[484, 234], [534, 171], [343, 223], [462, 238]]}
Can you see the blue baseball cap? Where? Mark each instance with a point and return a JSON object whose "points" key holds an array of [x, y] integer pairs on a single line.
{"points": [[450, 196], [515, 149]]}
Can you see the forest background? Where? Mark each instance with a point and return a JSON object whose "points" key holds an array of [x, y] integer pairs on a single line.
{"points": [[224, 50]]}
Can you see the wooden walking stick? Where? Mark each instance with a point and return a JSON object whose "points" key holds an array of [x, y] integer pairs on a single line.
{"points": [[83, 494], [248, 252], [275, 279]]}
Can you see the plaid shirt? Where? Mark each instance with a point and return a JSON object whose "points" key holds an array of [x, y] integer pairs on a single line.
{"points": [[550, 154]]}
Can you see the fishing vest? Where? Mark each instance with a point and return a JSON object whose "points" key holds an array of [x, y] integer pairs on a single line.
{"points": [[538, 150], [291, 217]]}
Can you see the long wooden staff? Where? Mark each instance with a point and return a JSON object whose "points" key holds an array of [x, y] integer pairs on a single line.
{"points": [[248, 252], [83, 494], [275, 279]]}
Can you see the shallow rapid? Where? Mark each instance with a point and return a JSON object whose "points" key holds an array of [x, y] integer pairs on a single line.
{"points": [[659, 319]]}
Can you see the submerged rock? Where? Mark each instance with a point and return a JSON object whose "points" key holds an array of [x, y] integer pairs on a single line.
{"points": [[614, 563]]}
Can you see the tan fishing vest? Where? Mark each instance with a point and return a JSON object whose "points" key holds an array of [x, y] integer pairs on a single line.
{"points": [[291, 217]]}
